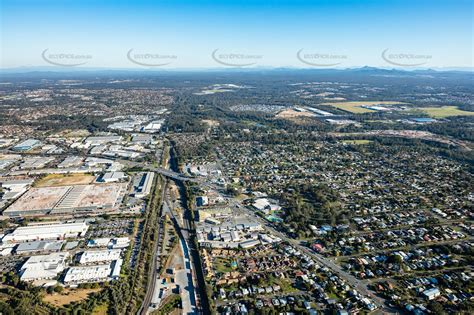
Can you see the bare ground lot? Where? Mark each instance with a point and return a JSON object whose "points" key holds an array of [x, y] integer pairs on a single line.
{"points": [[291, 113], [64, 180], [68, 296], [356, 107]]}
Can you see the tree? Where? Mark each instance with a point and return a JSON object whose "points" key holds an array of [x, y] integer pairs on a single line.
{"points": [[436, 308]]}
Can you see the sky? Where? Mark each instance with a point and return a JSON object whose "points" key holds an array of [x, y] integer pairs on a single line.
{"points": [[224, 34]]}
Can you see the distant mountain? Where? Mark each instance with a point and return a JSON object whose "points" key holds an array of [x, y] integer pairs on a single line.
{"points": [[367, 70]]}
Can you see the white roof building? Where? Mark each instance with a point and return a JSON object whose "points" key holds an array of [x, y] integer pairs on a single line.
{"points": [[97, 273], [85, 274], [261, 204], [46, 232], [110, 177], [99, 256], [43, 266]]}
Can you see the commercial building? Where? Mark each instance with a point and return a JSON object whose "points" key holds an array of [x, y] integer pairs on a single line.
{"points": [[26, 145], [202, 201], [142, 139], [39, 246], [98, 140], [51, 231], [144, 187], [96, 256], [43, 266], [153, 126], [77, 275], [14, 188], [96, 273], [35, 162], [118, 242], [71, 161], [111, 177], [431, 294]]}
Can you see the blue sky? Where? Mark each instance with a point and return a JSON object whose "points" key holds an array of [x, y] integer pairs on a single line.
{"points": [[184, 34]]}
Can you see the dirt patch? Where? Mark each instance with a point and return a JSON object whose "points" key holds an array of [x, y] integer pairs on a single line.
{"points": [[211, 123], [68, 296], [65, 180], [291, 113], [175, 259], [356, 107]]}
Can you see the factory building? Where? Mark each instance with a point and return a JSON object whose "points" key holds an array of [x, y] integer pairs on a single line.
{"points": [[96, 256], [39, 232], [43, 267], [26, 145]]}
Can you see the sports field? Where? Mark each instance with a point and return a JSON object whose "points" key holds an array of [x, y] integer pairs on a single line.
{"points": [[445, 111], [356, 107]]}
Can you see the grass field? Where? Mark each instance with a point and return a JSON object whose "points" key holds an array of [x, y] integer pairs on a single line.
{"points": [[68, 296], [355, 107], [100, 310], [445, 111], [356, 141], [222, 265], [64, 180]]}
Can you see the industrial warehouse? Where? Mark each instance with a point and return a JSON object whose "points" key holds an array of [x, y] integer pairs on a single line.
{"points": [[46, 231], [93, 199]]}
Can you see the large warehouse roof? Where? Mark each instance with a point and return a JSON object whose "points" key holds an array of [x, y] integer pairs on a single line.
{"points": [[46, 231]]}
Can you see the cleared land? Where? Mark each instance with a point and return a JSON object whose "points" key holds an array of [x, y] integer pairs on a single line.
{"points": [[291, 113], [57, 199], [445, 111], [355, 107], [64, 180], [68, 296], [356, 141]]}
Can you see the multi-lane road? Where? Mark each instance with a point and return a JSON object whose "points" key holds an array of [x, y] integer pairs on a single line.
{"points": [[155, 260]]}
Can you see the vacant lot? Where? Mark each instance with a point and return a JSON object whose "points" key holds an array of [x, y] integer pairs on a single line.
{"points": [[355, 107], [222, 265], [445, 111], [291, 113], [68, 296], [64, 180], [356, 141]]}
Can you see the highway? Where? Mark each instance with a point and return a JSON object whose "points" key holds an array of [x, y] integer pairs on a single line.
{"points": [[153, 276], [173, 175]]}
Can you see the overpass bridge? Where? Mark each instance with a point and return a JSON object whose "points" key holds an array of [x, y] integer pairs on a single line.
{"points": [[174, 175]]}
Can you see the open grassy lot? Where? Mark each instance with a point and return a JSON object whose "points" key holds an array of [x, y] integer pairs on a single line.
{"points": [[68, 296], [355, 107], [445, 111], [356, 141], [100, 310], [64, 180], [222, 265]]}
